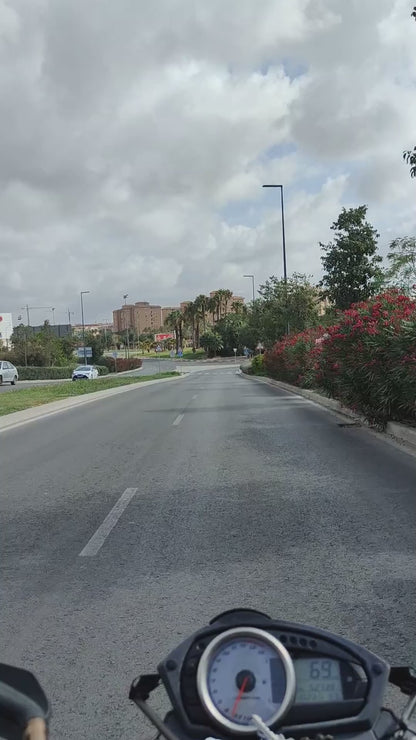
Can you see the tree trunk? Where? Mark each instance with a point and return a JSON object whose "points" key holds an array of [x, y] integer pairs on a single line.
{"points": [[177, 338]]}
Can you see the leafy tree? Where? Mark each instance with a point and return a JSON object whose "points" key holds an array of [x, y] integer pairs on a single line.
{"points": [[350, 262], [292, 303], [402, 258], [211, 342], [202, 303]]}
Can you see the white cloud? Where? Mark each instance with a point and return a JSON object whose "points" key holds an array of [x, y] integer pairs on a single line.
{"points": [[132, 131]]}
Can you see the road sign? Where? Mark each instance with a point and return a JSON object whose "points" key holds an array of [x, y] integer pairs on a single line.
{"points": [[162, 337], [84, 351], [115, 355]]}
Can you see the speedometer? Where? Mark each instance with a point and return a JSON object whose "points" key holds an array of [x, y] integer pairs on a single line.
{"points": [[245, 671]]}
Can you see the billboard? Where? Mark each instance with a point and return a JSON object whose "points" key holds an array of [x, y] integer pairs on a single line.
{"points": [[162, 337], [6, 329]]}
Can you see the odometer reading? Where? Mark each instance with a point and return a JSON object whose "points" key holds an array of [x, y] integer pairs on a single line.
{"points": [[318, 681]]}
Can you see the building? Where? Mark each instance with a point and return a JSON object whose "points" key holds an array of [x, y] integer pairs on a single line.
{"points": [[140, 316], [95, 328], [143, 316], [6, 329]]}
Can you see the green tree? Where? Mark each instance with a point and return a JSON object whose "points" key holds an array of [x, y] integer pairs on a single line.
{"points": [[351, 263], [211, 342], [402, 258], [293, 303]]}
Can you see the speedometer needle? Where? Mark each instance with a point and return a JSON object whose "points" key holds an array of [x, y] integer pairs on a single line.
{"points": [[240, 694]]}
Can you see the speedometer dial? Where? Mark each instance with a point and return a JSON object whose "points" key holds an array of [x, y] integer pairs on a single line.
{"points": [[245, 671]]}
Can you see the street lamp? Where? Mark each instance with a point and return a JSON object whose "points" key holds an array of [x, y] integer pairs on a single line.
{"points": [[283, 228], [83, 292], [127, 327], [53, 316], [252, 279]]}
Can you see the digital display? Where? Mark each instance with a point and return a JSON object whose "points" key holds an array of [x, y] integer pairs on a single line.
{"points": [[318, 681]]}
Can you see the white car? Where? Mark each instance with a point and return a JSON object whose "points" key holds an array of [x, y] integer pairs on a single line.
{"points": [[8, 373], [85, 372]]}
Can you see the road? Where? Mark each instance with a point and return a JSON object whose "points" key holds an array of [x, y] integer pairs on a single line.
{"points": [[246, 495]]}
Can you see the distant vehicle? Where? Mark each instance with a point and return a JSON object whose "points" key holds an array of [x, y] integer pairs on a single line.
{"points": [[85, 372], [8, 373]]}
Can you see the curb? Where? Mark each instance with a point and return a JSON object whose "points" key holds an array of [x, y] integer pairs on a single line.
{"points": [[19, 418], [400, 432]]}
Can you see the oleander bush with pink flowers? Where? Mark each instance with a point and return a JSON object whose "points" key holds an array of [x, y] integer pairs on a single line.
{"points": [[367, 360]]}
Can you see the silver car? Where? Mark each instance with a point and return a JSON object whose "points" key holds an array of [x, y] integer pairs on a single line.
{"points": [[8, 373], [85, 372]]}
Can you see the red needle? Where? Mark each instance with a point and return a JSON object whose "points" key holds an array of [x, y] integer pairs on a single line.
{"points": [[240, 694]]}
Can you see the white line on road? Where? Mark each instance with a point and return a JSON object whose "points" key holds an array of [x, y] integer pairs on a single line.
{"points": [[99, 537], [195, 396], [178, 420]]}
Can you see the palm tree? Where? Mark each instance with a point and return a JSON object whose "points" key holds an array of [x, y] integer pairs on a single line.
{"points": [[175, 321], [191, 316], [202, 303]]}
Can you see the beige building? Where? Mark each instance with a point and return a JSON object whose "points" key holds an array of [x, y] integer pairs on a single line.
{"points": [[143, 316]]}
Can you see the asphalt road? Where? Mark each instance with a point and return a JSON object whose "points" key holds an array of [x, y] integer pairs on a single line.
{"points": [[245, 496]]}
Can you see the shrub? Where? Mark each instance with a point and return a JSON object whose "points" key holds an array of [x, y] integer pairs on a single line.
{"points": [[44, 373], [292, 359], [123, 363], [257, 365], [367, 360]]}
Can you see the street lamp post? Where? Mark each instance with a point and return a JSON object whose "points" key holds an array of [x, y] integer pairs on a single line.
{"points": [[283, 242], [53, 316], [83, 292], [127, 327], [252, 280]]}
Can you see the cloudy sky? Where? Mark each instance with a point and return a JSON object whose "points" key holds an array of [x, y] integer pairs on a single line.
{"points": [[136, 135]]}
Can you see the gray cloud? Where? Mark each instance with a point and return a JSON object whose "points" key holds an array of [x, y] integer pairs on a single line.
{"points": [[130, 128]]}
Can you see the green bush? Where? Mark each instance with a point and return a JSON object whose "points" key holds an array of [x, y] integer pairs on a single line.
{"points": [[102, 369], [44, 373], [257, 365], [123, 363], [52, 373]]}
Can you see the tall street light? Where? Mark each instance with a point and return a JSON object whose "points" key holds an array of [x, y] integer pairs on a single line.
{"points": [[83, 292], [128, 326], [252, 279], [283, 228]]}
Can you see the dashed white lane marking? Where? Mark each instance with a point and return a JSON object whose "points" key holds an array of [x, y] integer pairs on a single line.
{"points": [[99, 537], [195, 396], [178, 420]]}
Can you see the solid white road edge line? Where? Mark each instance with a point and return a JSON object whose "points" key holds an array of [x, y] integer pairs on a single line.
{"points": [[99, 537], [178, 420]]}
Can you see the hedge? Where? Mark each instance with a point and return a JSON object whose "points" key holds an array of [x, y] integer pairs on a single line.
{"points": [[367, 360], [52, 373], [123, 363]]}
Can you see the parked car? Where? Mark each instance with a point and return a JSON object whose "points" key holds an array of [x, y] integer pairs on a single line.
{"points": [[8, 373], [85, 372]]}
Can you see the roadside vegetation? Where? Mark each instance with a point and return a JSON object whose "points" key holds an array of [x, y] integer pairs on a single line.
{"points": [[30, 397]]}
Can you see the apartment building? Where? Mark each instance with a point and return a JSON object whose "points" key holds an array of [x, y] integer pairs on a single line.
{"points": [[141, 316]]}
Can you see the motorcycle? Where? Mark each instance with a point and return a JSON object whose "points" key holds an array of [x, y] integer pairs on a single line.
{"points": [[246, 675]]}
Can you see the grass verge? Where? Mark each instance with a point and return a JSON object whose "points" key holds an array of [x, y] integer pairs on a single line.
{"points": [[30, 397]]}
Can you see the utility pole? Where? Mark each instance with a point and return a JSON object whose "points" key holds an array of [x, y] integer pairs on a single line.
{"points": [[83, 292]]}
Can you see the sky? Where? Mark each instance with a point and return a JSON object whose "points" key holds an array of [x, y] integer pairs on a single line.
{"points": [[136, 137]]}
